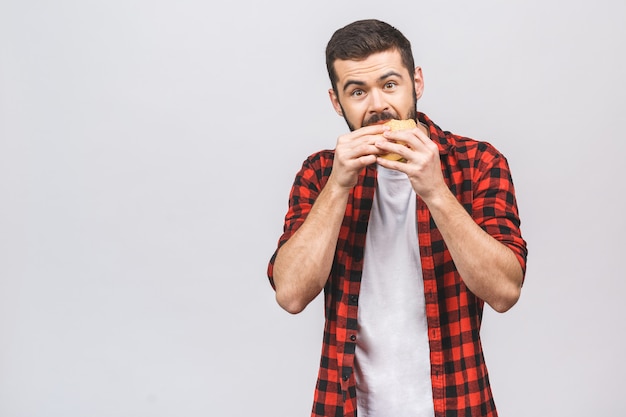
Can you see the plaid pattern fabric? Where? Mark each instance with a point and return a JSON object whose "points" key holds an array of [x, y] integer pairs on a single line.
{"points": [[479, 176]]}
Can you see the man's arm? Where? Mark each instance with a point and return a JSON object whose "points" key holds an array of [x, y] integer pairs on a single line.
{"points": [[489, 269], [302, 265]]}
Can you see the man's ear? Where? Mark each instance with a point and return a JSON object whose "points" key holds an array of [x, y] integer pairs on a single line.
{"points": [[335, 102], [419, 82]]}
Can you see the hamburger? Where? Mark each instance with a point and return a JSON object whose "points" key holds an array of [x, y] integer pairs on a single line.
{"points": [[398, 125]]}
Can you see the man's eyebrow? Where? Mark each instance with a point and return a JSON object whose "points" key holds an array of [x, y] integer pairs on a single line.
{"points": [[389, 74], [381, 78], [352, 82]]}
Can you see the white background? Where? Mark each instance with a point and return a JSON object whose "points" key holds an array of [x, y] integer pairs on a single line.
{"points": [[146, 152]]}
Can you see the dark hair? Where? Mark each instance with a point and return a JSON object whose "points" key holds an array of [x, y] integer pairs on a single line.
{"points": [[362, 38]]}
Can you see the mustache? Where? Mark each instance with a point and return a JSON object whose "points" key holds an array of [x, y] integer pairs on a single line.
{"points": [[378, 117]]}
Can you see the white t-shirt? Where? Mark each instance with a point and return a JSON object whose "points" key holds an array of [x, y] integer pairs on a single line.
{"points": [[392, 362]]}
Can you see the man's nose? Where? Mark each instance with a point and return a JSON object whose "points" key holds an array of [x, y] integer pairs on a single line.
{"points": [[377, 102]]}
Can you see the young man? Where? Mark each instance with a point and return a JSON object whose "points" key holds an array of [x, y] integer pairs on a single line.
{"points": [[407, 252]]}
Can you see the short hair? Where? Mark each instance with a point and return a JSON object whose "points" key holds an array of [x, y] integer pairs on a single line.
{"points": [[362, 38]]}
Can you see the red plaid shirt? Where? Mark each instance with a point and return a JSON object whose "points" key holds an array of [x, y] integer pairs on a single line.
{"points": [[479, 177]]}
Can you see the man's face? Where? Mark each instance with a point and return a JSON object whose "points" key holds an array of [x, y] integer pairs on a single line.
{"points": [[375, 89]]}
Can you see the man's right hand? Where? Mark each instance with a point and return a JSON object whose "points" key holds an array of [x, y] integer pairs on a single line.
{"points": [[355, 151]]}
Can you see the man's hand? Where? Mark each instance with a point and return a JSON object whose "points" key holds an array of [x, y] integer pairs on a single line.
{"points": [[355, 151], [422, 166]]}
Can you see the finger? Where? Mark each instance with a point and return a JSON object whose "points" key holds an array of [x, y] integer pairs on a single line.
{"points": [[408, 137], [406, 134], [395, 165], [368, 134], [376, 129], [394, 151], [356, 148], [423, 137]]}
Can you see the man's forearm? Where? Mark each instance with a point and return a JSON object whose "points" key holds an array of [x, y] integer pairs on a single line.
{"points": [[303, 263], [488, 268]]}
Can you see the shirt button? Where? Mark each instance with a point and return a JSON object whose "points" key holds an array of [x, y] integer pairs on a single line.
{"points": [[353, 337], [354, 298]]}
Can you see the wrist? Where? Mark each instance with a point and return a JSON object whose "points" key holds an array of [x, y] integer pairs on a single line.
{"points": [[439, 198], [337, 187]]}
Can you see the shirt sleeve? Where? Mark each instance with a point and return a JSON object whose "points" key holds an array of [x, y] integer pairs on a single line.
{"points": [[306, 187], [495, 206]]}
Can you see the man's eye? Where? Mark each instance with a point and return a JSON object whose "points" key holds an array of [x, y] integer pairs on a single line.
{"points": [[390, 85], [357, 93]]}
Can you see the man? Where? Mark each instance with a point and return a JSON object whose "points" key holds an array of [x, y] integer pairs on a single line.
{"points": [[407, 252]]}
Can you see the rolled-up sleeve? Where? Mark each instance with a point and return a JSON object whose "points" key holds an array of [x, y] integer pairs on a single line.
{"points": [[495, 206], [306, 187]]}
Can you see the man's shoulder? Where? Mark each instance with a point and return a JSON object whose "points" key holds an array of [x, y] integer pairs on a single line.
{"points": [[459, 144], [320, 159], [322, 155], [466, 144], [467, 147], [317, 165]]}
